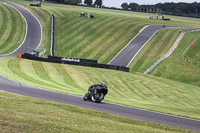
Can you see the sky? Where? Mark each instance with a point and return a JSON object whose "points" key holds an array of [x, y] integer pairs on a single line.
{"points": [[117, 3]]}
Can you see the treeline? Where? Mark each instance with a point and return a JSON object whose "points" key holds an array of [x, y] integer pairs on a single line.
{"points": [[97, 3], [178, 9]]}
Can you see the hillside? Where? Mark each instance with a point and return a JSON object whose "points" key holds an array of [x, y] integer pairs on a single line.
{"points": [[160, 43], [147, 92], [89, 38], [85, 38], [12, 29], [184, 64], [99, 38], [102, 38]]}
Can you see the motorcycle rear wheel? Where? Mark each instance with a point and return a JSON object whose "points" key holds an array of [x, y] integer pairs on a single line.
{"points": [[99, 98]]}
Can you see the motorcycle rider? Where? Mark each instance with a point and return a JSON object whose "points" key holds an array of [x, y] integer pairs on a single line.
{"points": [[96, 92], [93, 89]]}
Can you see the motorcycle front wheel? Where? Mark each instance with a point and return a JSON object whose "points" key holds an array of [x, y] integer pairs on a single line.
{"points": [[85, 98]]}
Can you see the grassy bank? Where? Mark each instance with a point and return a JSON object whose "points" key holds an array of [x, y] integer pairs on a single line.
{"points": [[23, 114], [99, 38], [12, 29], [154, 49], [147, 92], [81, 37], [184, 64]]}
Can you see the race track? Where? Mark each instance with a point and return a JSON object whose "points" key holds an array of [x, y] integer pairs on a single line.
{"points": [[25, 90], [33, 40], [33, 36], [127, 54]]}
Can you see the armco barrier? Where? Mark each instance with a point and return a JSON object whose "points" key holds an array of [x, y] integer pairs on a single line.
{"points": [[52, 35], [75, 61]]}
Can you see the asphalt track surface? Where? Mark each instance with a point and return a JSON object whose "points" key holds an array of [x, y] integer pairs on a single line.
{"points": [[33, 39], [33, 36], [127, 54]]}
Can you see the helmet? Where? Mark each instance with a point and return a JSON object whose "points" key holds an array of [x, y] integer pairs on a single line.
{"points": [[103, 82]]}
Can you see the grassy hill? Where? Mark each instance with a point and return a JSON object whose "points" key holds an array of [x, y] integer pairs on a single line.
{"points": [[184, 64], [147, 92], [99, 38], [154, 49], [23, 114], [12, 29]]}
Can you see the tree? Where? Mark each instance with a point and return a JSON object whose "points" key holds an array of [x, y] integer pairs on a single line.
{"points": [[133, 6], [170, 8], [88, 2], [72, 2], [98, 3], [125, 6]]}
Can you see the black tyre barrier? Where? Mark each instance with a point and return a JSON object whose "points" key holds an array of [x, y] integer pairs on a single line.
{"points": [[75, 61], [166, 19], [33, 57], [67, 59], [52, 35]]}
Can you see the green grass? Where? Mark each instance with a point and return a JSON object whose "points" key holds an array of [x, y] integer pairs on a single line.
{"points": [[45, 20], [90, 38], [160, 43], [183, 65], [104, 36], [23, 114], [12, 29], [105, 42], [142, 91], [99, 38]]}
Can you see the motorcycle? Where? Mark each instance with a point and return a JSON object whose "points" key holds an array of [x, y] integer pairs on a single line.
{"points": [[95, 94]]}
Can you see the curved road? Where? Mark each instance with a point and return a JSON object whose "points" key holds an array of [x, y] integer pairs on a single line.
{"points": [[22, 89], [127, 54], [33, 39], [33, 32]]}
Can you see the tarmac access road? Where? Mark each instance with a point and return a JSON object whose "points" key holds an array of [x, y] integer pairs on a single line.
{"points": [[127, 54], [11, 86], [33, 35]]}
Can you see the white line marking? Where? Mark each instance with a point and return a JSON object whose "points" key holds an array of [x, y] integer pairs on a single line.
{"points": [[26, 28], [128, 44], [142, 47], [25, 33], [170, 51]]}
